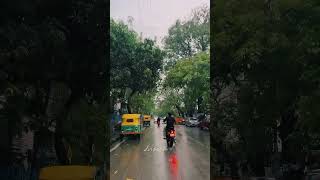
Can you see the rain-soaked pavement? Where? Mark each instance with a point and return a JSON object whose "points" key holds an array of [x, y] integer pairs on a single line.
{"points": [[149, 158]]}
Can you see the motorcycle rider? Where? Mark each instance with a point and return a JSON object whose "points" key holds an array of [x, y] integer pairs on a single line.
{"points": [[170, 124], [158, 121]]}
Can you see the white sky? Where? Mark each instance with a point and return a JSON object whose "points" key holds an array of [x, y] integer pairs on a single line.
{"points": [[153, 17]]}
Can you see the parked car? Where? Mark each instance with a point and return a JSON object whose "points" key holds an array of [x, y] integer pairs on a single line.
{"points": [[192, 122], [205, 123], [180, 120]]}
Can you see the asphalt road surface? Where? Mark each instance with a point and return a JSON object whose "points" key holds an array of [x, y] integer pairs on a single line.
{"points": [[149, 158]]}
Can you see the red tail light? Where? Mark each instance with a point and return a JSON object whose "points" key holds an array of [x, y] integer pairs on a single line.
{"points": [[172, 133]]}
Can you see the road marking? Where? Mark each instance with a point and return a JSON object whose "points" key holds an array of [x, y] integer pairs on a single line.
{"points": [[115, 172], [117, 145], [154, 149], [146, 148], [129, 179]]}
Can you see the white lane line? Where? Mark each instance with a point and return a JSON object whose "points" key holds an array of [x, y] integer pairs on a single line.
{"points": [[117, 145], [115, 172]]}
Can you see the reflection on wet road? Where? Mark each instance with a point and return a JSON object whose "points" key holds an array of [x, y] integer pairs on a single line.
{"points": [[149, 158]]}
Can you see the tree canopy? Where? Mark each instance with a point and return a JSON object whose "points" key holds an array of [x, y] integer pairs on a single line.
{"points": [[50, 62], [191, 76], [135, 63], [188, 37], [264, 53], [186, 81]]}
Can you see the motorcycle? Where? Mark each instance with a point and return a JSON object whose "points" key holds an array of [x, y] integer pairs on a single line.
{"points": [[171, 134]]}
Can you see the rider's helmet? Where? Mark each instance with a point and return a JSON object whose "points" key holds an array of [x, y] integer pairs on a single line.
{"points": [[169, 114]]}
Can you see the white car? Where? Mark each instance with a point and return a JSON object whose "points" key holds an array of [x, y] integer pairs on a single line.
{"points": [[192, 122]]}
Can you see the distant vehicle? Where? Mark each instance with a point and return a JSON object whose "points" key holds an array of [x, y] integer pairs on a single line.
{"points": [[205, 124], [192, 122], [146, 120], [199, 116], [180, 120], [131, 124]]}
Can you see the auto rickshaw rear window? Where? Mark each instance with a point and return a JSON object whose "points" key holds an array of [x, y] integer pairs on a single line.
{"points": [[129, 120]]}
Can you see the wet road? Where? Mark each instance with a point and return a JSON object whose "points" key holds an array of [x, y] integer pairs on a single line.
{"points": [[149, 158]]}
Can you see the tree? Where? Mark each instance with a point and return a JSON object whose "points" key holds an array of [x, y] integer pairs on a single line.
{"points": [[189, 37], [44, 52], [191, 76], [186, 41], [143, 103], [263, 53], [135, 64], [172, 100]]}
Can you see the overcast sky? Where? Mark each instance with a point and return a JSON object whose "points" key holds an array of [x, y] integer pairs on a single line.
{"points": [[153, 17]]}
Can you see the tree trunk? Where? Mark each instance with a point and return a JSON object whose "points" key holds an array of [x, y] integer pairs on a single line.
{"points": [[59, 95], [129, 102], [179, 111], [129, 107], [199, 101]]}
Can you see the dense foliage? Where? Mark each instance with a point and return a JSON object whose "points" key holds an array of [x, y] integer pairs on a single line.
{"points": [[188, 37], [266, 61], [52, 61], [135, 65], [185, 88], [191, 77]]}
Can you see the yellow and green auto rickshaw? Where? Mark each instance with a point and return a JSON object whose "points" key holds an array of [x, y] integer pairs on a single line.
{"points": [[131, 124], [146, 120], [68, 173]]}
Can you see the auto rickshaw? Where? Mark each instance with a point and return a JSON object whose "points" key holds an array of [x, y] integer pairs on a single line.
{"points": [[131, 124], [146, 120], [68, 173]]}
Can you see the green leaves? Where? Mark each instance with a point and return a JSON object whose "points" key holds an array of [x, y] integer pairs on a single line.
{"points": [[186, 82], [190, 75], [189, 37], [268, 53], [143, 103], [135, 64]]}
